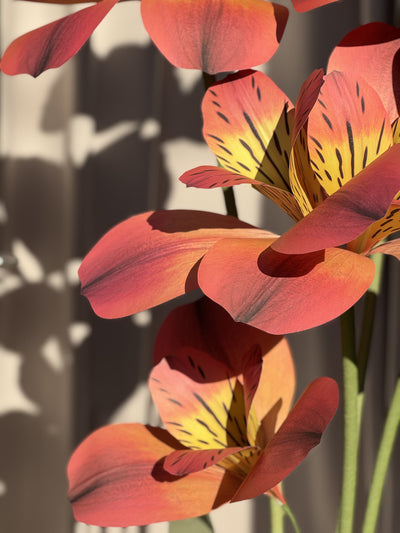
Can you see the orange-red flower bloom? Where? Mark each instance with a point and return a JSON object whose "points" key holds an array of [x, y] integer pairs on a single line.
{"points": [[329, 164], [230, 434], [210, 35], [321, 162]]}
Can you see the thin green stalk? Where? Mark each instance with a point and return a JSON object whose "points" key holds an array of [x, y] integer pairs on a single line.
{"points": [[351, 423], [382, 462], [277, 516], [229, 195], [291, 517], [368, 320]]}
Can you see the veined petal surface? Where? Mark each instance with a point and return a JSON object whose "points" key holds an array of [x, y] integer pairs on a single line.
{"points": [[281, 293], [208, 177], [206, 410], [300, 432], [348, 128], [351, 210], [205, 326], [248, 125], [183, 462], [117, 479], [215, 35], [303, 182], [372, 52], [379, 230], [53, 44], [151, 258]]}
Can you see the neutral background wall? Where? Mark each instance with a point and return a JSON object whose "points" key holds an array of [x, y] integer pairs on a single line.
{"points": [[83, 147]]}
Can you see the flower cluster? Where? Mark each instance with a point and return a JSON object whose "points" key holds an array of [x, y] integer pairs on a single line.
{"points": [[223, 377]]}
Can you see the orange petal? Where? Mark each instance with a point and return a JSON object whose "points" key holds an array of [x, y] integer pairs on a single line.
{"points": [[280, 293], [205, 326], [306, 5], [303, 182], [182, 462], [117, 479], [350, 211], [207, 410], [248, 126], [372, 53], [348, 128], [52, 45], [215, 35], [208, 177], [301, 431], [151, 258], [274, 395], [379, 230]]}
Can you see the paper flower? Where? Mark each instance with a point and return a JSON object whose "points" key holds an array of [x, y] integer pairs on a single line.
{"points": [[228, 436], [209, 35]]}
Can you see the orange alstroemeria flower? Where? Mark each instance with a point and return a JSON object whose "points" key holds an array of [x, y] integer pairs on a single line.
{"points": [[229, 432], [330, 163], [209, 35], [154, 257]]}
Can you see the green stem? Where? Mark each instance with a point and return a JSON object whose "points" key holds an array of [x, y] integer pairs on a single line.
{"points": [[351, 422], [368, 320], [291, 517], [277, 515], [382, 462], [229, 195]]}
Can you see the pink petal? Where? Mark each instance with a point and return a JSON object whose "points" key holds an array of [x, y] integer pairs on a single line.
{"points": [[215, 35], [348, 212], [372, 52], [52, 45], [279, 293], [301, 431], [151, 258], [117, 479]]}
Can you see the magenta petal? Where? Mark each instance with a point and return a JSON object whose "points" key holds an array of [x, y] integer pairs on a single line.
{"points": [[299, 433], [52, 45], [347, 213]]}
